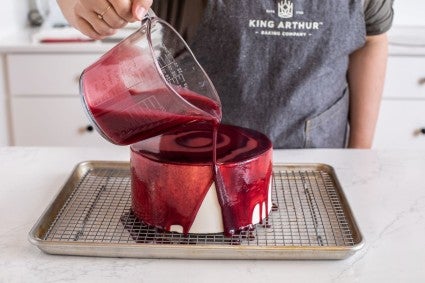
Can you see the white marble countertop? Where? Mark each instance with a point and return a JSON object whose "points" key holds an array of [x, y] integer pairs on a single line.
{"points": [[385, 189], [23, 42]]}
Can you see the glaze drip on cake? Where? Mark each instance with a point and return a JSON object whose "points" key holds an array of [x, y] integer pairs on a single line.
{"points": [[172, 173]]}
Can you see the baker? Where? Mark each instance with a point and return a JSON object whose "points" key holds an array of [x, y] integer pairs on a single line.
{"points": [[306, 73]]}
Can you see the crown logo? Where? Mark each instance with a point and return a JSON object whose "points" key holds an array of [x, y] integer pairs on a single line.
{"points": [[285, 9]]}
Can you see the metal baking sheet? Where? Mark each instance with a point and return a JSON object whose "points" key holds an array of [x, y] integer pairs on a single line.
{"points": [[91, 216]]}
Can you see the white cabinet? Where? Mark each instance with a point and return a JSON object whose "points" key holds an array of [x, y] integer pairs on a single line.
{"points": [[52, 121], [46, 74], [401, 122], [44, 102], [405, 77]]}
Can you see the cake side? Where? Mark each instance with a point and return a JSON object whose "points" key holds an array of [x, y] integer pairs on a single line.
{"points": [[176, 187], [164, 195]]}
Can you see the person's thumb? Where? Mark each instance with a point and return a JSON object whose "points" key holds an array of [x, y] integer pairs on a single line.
{"points": [[140, 8]]}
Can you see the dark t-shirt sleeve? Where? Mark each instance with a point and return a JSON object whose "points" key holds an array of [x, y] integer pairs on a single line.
{"points": [[183, 15], [378, 16]]}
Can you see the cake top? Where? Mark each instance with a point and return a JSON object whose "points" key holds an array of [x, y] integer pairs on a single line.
{"points": [[193, 144]]}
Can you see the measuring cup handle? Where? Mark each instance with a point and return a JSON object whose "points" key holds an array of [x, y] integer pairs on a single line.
{"points": [[150, 14], [148, 17]]}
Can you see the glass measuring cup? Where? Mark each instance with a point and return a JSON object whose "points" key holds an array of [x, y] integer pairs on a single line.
{"points": [[146, 85]]}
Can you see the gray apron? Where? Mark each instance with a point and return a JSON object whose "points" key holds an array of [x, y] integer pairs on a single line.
{"points": [[280, 66]]}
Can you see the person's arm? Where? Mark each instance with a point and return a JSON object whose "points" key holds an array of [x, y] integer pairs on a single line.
{"points": [[100, 18], [366, 75]]}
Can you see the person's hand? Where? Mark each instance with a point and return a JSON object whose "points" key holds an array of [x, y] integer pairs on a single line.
{"points": [[100, 18]]}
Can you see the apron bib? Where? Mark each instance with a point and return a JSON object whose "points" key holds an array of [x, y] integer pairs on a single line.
{"points": [[280, 66]]}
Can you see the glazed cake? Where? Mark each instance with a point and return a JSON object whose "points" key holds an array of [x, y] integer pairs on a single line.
{"points": [[177, 187]]}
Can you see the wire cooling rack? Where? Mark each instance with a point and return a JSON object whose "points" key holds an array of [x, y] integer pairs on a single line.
{"points": [[310, 218]]}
